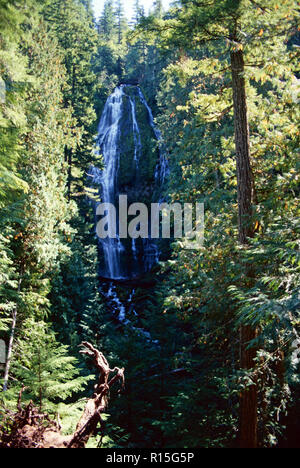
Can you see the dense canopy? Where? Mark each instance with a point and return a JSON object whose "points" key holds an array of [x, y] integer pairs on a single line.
{"points": [[211, 344]]}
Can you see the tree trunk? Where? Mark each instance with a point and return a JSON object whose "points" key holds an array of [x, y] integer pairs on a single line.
{"points": [[249, 396], [248, 400], [96, 405], [242, 143]]}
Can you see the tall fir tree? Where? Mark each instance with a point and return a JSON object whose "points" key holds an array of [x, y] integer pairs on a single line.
{"points": [[44, 367], [158, 9], [230, 26], [107, 20], [139, 12], [71, 24]]}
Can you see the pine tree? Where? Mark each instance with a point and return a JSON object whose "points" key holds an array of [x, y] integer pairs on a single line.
{"points": [[158, 9], [41, 234], [109, 64], [8, 284], [12, 114], [139, 12], [229, 20], [246, 56], [121, 21], [74, 29], [13, 125], [44, 366], [107, 21]]}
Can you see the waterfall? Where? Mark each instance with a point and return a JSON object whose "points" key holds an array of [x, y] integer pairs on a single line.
{"points": [[121, 259], [108, 140], [136, 135], [162, 168]]}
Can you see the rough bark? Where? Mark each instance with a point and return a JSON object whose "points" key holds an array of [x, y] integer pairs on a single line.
{"points": [[30, 428], [249, 397], [242, 143], [98, 403]]}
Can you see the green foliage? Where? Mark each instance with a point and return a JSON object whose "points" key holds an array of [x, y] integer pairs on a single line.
{"points": [[72, 25], [149, 154], [8, 284], [13, 79], [36, 233], [209, 288], [180, 346], [44, 367]]}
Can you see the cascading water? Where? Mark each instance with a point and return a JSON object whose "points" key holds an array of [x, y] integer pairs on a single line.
{"points": [[121, 136], [136, 134], [123, 260], [108, 138], [162, 168]]}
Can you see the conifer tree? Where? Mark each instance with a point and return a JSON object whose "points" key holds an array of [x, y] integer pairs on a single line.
{"points": [[44, 366], [121, 22], [41, 233], [211, 347], [12, 114], [107, 21], [74, 29], [139, 12], [158, 9], [231, 24], [13, 125]]}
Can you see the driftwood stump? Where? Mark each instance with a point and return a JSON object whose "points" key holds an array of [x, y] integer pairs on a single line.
{"points": [[28, 428]]}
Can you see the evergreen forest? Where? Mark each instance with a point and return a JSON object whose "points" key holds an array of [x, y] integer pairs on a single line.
{"points": [[197, 103]]}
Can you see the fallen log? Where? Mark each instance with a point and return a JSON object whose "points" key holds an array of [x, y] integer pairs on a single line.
{"points": [[29, 428]]}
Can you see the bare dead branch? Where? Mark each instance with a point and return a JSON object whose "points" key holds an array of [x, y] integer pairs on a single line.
{"points": [[29, 428]]}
